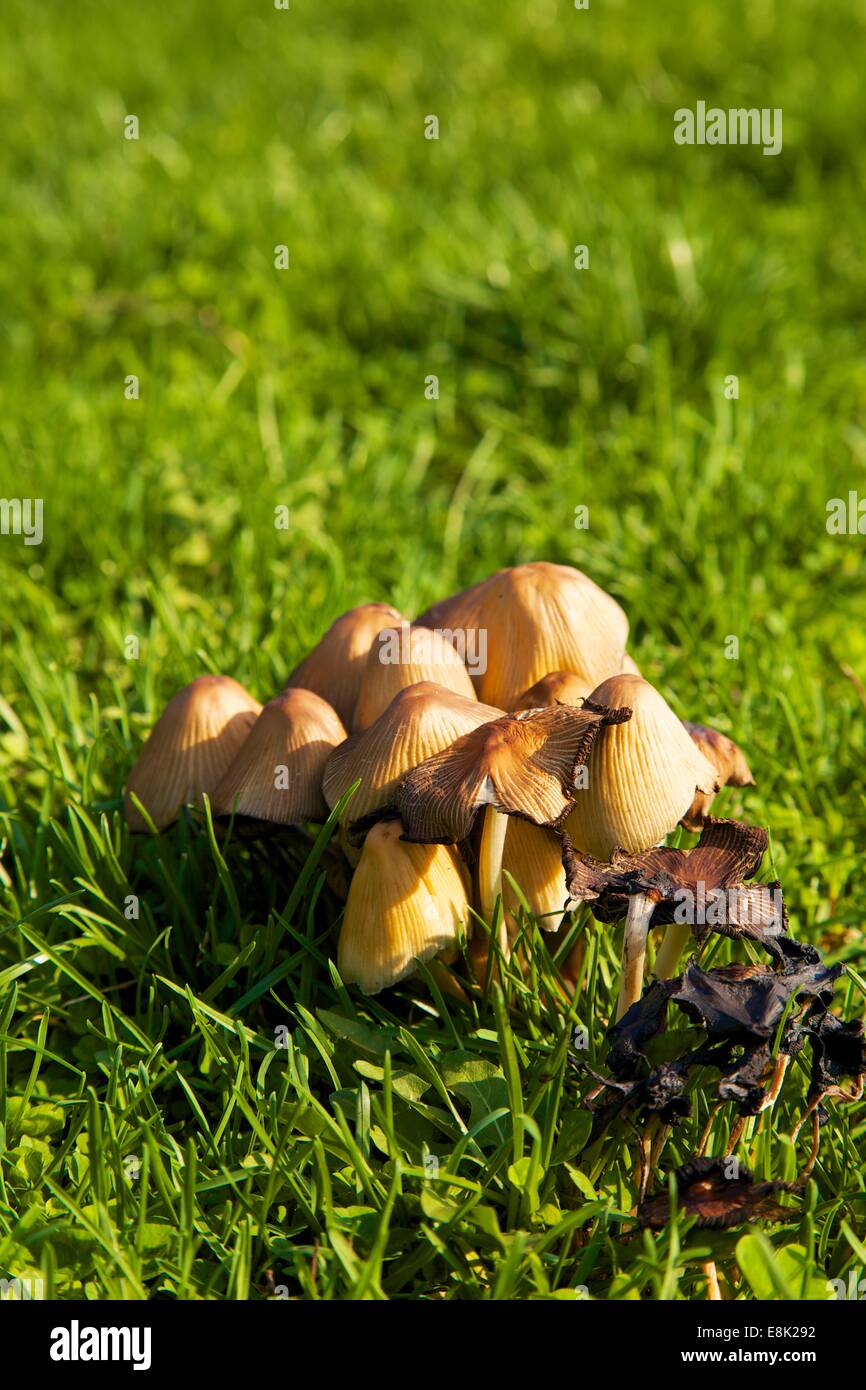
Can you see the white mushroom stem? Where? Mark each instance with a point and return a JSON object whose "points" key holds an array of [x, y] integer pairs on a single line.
{"points": [[778, 1077], [490, 870], [714, 1293], [671, 949], [640, 910]]}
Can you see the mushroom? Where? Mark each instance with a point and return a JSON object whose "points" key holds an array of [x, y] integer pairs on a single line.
{"points": [[189, 748], [403, 656], [730, 764], [741, 1009], [703, 887], [276, 775], [747, 1002], [520, 764], [334, 667], [532, 876], [718, 1196], [527, 621], [420, 721], [641, 778], [543, 887], [532, 858], [557, 688], [407, 902], [629, 666]]}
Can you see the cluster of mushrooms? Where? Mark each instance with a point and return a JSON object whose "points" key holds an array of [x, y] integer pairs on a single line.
{"points": [[544, 777]]}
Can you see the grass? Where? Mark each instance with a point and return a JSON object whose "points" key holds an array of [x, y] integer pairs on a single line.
{"points": [[153, 1138]]}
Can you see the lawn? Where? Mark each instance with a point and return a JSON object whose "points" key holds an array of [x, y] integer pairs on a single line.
{"points": [[191, 1102]]}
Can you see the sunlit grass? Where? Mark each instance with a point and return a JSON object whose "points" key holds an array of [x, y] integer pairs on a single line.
{"points": [[152, 1136]]}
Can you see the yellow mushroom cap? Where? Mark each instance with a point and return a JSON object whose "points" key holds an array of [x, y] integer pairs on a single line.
{"points": [[401, 656], [420, 721], [534, 618], [642, 774], [557, 688], [190, 746], [334, 667], [405, 902], [533, 858], [277, 773]]}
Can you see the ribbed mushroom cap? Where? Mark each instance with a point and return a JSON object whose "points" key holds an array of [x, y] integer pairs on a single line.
{"points": [[420, 721], [558, 688], [402, 656], [277, 773], [730, 764], [537, 618], [521, 764], [190, 746], [334, 667], [642, 775], [406, 902], [533, 858], [728, 853]]}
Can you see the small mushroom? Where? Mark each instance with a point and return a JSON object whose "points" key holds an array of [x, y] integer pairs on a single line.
{"points": [[190, 746], [403, 656], [420, 721], [407, 902], [718, 1195], [276, 775], [532, 857], [530, 620], [641, 778], [701, 888], [557, 688], [520, 764], [335, 666], [730, 764]]}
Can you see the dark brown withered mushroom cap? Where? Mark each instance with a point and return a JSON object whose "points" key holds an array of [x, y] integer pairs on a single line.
{"points": [[522, 764], [727, 853], [838, 1051], [708, 1189]]}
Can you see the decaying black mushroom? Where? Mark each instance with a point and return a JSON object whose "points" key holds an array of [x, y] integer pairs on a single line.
{"points": [[838, 1051], [660, 1093], [748, 1001], [720, 1193], [694, 890], [739, 1007]]}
